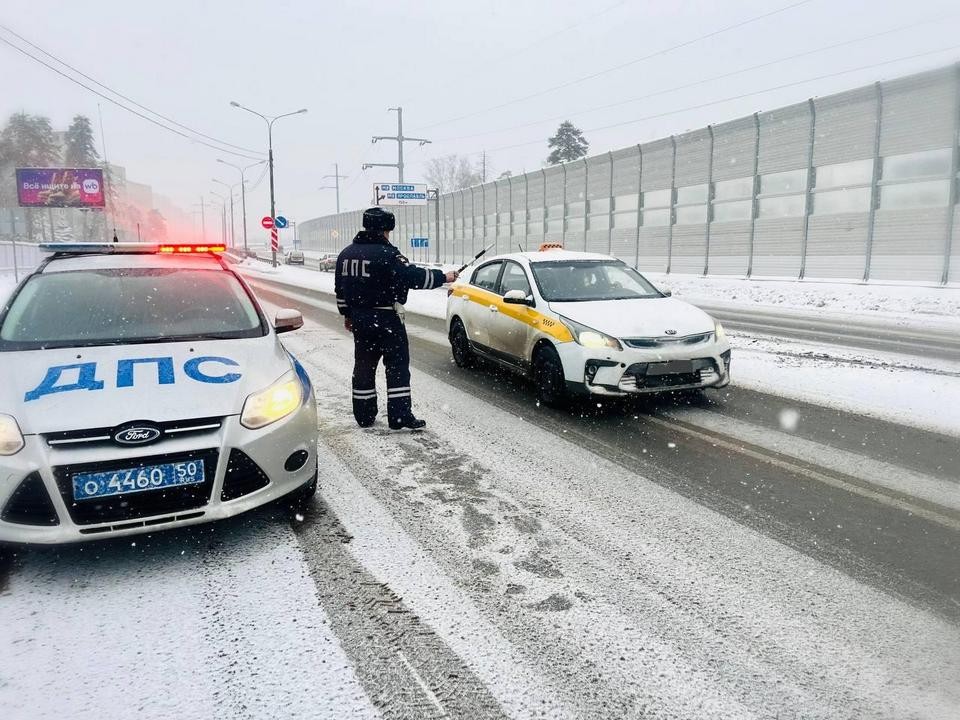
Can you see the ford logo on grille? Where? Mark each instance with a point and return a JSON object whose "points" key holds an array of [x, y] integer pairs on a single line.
{"points": [[139, 434], [670, 332]]}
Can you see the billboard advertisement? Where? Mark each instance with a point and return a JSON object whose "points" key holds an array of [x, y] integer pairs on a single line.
{"points": [[60, 187]]}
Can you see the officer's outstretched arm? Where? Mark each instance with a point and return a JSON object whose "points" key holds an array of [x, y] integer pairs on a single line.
{"points": [[416, 277]]}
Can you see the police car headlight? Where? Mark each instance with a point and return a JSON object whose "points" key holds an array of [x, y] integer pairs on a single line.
{"points": [[588, 337], [275, 403], [719, 333], [11, 439]]}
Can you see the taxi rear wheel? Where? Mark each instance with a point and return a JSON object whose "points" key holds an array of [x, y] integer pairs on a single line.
{"points": [[548, 377], [463, 354]]}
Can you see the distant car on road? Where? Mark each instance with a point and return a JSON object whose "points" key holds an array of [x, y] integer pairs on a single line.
{"points": [[143, 388], [583, 324], [328, 262], [294, 257]]}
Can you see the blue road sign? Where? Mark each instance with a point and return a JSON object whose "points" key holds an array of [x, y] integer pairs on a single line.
{"points": [[419, 242], [280, 221]]}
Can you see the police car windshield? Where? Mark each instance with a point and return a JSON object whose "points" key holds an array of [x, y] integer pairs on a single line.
{"points": [[123, 306], [590, 280]]}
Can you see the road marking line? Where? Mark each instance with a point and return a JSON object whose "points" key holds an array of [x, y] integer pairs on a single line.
{"points": [[423, 684], [945, 520]]}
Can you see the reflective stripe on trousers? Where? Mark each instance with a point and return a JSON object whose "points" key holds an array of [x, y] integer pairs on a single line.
{"points": [[380, 334]]}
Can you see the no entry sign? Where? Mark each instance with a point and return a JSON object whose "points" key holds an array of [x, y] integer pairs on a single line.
{"points": [[267, 222]]}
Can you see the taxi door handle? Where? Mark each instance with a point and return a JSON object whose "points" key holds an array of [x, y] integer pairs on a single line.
{"points": [[494, 308]]}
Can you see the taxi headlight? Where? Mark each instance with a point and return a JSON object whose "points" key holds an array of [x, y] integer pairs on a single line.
{"points": [[719, 333], [588, 337], [275, 403], [11, 439]]}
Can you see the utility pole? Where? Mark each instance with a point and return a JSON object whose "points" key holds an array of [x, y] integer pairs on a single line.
{"points": [[400, 139], [336, 183], [483, 174]]}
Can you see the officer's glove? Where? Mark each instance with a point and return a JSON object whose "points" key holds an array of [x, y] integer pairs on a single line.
{"points": [[348, 325]]}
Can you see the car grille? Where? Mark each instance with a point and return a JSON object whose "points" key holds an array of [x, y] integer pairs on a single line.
{"points": [[243, 476], [653, 342], [30, 504], [92, 437], [637, 377], [129, 506]]}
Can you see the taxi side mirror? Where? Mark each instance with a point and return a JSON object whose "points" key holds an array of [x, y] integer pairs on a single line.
{"points": [[287, 320], [666, 293], [518, 297]]}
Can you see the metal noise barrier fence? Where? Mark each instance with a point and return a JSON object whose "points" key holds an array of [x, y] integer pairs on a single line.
{"points": [[861, 185]]}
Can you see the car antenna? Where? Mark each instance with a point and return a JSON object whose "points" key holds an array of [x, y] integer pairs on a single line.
{"points": [[521, 247]]}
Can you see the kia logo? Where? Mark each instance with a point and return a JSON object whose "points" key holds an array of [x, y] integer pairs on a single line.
{"points": [[137, 435], [670, 332]]}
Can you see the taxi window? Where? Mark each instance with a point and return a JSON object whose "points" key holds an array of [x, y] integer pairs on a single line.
{"points": [[124, 306], [591, 280], [486, 276], [514, 278]]}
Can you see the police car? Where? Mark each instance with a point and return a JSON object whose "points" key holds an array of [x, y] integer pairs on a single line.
{"points": [[143, 388], [583, 324]]}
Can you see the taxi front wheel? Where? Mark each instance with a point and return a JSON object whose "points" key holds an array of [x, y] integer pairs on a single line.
{"points": [[548, 377]]}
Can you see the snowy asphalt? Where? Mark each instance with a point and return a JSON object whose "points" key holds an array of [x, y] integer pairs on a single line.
{"points": [[742, 556]]}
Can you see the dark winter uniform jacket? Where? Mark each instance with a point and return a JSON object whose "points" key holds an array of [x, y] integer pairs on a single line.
{"points": [[371, 273]]}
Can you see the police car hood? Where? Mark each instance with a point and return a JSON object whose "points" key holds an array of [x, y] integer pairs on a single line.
{"points": [[641, 317], [158, 382]]}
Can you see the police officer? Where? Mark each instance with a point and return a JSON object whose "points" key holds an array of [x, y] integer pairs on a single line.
{"points": [[372, 280]]}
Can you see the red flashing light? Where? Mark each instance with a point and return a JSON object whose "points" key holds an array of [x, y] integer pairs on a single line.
{"points": [[196, 249]]}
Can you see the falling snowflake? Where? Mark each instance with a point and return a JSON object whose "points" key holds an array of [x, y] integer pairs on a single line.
{"points": [[789, 419]]}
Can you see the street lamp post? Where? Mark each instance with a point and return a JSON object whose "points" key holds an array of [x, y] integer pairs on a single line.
{"points": [[223, 216], [243, 194], [269, 121], [233, 238]]}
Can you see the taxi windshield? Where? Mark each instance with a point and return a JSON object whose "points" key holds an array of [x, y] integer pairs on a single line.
{"points": [[590, 280], [126, 306]]}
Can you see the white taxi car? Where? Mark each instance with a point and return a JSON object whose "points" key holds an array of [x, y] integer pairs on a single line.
{"points": [[143, 388], [581, 323]]}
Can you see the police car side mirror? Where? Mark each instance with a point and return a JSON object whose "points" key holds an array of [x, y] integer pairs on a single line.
{"points": [[518, 297], [287, 320], [666, 293]]}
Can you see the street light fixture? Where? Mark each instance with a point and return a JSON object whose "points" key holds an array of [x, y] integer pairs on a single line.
{"points": [[269, 120], [243, 193]]}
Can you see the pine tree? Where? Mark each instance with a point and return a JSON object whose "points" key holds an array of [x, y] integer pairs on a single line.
{"points": [[80, 150], [568, 144], [25, 141]]}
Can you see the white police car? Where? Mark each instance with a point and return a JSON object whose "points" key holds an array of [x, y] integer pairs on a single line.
{"points": [[143, 388], [582, 323]]}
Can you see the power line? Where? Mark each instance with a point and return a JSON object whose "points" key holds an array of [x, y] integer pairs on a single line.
{"points": [[734, 97], [704, 81], [591, 76], [47, 65]]}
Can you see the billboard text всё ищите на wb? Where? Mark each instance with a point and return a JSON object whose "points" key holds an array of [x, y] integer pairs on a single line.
{"points": [[60, 187]]}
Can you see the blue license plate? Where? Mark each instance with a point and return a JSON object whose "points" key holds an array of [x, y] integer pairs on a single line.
{"points": [[138, 479]]}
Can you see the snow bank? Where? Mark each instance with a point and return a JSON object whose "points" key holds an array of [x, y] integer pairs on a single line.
{"points": [[915, 302]]}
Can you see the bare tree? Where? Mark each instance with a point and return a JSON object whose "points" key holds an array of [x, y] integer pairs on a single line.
{"points": [[451, 172]]}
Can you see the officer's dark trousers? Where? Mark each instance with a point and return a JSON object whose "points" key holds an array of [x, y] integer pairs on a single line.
{"points": [[380, 334]]}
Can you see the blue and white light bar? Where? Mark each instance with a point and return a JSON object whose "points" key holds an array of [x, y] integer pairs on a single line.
{"points": [[127, 248]]}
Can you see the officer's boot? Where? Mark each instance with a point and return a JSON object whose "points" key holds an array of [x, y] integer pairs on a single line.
{"points": [[409, 422]]}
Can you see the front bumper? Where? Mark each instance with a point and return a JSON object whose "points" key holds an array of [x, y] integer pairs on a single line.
{"points": [[245, 468], [622, 373]]}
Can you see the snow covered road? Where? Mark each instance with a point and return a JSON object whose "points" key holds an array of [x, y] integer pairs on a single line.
{"points": [[743, 557]]}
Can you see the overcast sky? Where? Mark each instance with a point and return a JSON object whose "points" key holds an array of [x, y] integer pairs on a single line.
{"points": [[348, 61]]}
